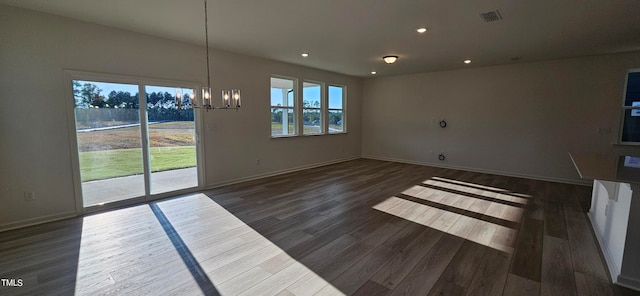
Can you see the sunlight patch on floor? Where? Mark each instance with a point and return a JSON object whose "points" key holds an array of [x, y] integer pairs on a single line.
{"points": [[236, 259], [482, 232], [482, 190], [467, 203], [110, 251]]}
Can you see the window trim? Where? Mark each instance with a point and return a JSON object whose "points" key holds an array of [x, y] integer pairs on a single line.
{"points": [[344, 108], [294, 107], [70, 76], [299, 109], [323, 103]]}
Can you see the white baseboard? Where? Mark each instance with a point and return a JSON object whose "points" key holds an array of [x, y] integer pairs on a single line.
{"points": [[66, 215], [630, 283], [35, 221], [484, 171], [280, 172], [614, 269]]}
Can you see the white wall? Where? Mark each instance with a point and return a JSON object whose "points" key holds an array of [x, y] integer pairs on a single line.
{"points": [[35, 154], [519, 119]]}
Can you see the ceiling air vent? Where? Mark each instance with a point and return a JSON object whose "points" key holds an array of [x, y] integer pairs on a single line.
{"points": [[491, 16]]}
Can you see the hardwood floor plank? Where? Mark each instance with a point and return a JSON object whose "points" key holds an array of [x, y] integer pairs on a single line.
{"points": [[590, 286], [243, 281], [401, 263], [222, 273], [332, 268], [358, 274], [285, 293], [527, 258], [277, 282], [277, 263], [491, 276], [424, 276], [405, 235], [309, 284], [520, 286], [371, 288], [328, 251], [504, 239], [554, 221], [584, 249], [483, 232], [557, 271], [464, 227], [458, 275]]}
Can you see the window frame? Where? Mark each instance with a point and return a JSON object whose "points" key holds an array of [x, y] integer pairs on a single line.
{"points": [[294, 108], [343, 109], [625, 108], [321, 110], [141, 82], [298, 108]]}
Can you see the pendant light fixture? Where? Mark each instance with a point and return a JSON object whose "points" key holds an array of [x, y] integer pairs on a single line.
{"points": [[230, 98]]}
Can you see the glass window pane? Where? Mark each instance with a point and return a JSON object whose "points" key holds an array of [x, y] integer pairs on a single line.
{"points": [[282, 92], [282, 120], [632, 94], [172, 139], [336, 124], [311, 93], [335, 97], [631, 128], [107, 119], [312, 121]]}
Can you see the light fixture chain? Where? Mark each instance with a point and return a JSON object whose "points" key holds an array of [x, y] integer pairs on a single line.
{"points": [[206, 37]]}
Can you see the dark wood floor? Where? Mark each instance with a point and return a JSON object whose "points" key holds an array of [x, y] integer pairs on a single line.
{"points": [[362, 227]]}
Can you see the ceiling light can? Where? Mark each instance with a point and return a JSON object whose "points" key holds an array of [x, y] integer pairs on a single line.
{"points": [[390, 59]]}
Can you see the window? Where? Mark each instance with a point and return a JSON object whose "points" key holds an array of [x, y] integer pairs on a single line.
{"points": [[283, 100], [336, 109], [631, 109], [312, 108], [306, 108]]}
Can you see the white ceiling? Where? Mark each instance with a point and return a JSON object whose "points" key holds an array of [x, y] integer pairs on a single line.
{"points": [[351, 36]]}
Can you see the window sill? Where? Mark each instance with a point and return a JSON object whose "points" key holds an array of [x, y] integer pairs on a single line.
{"points": [[306, 135], [283, 137], [627, 144]]}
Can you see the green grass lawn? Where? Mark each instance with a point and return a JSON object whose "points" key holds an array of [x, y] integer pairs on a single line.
{"points": [[276, 129], [104, 164]]}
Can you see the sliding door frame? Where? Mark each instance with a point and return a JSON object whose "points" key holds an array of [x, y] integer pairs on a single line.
{"points": [[141, 82]]}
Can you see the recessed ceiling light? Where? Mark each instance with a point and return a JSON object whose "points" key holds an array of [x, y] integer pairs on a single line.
{"points": [[467, 61], [373, 72], [305, 54], [390, 59], [421, 30]]}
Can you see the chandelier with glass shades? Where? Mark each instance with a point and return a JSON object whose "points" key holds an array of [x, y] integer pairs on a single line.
{"points": [[230, 98]]}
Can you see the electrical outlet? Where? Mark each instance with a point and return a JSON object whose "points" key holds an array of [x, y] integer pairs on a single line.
{"points": [[29, 196]]}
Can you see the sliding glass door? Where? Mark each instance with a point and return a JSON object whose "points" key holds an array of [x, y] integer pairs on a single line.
{"points": [[172, 139], [127, 151]]}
